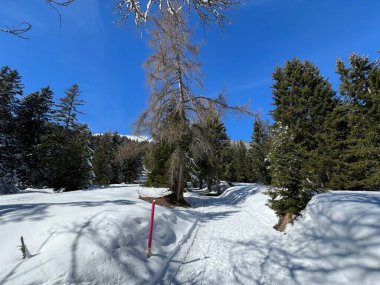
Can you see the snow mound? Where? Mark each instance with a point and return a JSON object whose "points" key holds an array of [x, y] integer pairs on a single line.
{"points": [[87, 237], [337, 240]]}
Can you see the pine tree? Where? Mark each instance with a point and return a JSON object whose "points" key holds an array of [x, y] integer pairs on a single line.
{"points": [[10, 152], [259, 151]]}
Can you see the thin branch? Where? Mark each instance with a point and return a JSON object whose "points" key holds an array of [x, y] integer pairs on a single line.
{"points": [[18, 31], [23, 28]]}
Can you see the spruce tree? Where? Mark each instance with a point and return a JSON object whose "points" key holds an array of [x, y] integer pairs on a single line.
{"points": [[259, 151], [103, 158], [289, 194], [10, 151], [73, 164], [303, 101], [67, 111], [32, 120], [210, 152], [360, 87], [157, 161]]}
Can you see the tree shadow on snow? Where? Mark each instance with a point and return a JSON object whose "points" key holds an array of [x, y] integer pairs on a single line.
{"points": [[341, 250], [231, 197], [39, 211]]}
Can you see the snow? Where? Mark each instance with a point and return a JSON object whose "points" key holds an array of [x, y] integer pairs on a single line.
{"points": [[100, 236], [89, 237], [131, 137], [336, 241]]}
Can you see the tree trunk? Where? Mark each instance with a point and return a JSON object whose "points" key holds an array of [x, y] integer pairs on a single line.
{"points": [[181, 181]]}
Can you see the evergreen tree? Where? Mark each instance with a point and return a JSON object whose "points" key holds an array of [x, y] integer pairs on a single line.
{"points": [[33, 117], [210, 153], [103, 158], [259, 151], [289, 194], [158, 163], [74, 168], [10, 152], [242, 162], [303, 101], [67, 112], [73, 164], [360, 157]]}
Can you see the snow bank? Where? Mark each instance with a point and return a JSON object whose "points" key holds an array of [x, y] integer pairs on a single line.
{"points": [[337, 241], [90, 237]]}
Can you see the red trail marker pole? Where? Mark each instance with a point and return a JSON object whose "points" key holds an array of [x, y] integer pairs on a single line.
{"points": [[149, 253]]}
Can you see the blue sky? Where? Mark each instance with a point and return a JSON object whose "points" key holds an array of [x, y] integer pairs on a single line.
{"points": [[105, 58]]}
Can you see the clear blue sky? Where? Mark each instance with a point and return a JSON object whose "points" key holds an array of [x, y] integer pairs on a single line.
{"points": [[105, 58]]}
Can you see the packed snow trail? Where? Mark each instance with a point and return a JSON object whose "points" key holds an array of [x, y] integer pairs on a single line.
{"points": [[227, 227], [337, 241]]}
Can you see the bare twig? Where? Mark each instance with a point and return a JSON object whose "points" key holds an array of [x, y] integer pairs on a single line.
{"points": [[18, 31], [24, 27], [207, 10]]}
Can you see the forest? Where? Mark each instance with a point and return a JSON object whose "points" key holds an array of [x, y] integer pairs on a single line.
{"points": [[319, 139]]}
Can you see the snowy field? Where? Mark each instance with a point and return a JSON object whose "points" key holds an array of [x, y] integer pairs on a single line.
{"points": [[100, 237], [86, 237]]}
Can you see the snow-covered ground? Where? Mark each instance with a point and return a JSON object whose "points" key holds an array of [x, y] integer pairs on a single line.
{"points": [[100, 237], [337, 241], [86, 237]]}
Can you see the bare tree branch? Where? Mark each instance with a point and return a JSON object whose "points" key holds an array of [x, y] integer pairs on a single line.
{"points": [[24, 27], [207, 10], [18, 31]]}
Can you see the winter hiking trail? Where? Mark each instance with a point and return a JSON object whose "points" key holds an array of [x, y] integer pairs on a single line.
{"points": [[336, 242], [99, 236], [225, 225]]}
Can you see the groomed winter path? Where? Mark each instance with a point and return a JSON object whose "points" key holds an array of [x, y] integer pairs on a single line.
{"points": [[336, 242]]}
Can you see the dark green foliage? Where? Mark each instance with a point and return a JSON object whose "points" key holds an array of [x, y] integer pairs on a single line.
{"points": [[358, 159], [73, 166], [210, 151], [32, 123], [104, 155], [11, 162], [259, 151], [289, 193], [67, 112], [303, 101], [158, 163], [238, 163]]}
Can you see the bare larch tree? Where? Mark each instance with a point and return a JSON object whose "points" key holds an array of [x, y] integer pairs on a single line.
{"points": [[174, 77]]}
